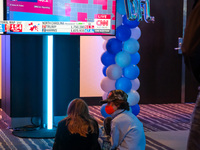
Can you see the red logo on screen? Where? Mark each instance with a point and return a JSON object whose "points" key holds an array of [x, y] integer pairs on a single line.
{"points": [[15, 27], [102, 23], [33, 27]]}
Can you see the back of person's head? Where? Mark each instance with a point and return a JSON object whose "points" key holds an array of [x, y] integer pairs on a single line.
{"points": [[79, 120], [119, 98], [78, 107]]}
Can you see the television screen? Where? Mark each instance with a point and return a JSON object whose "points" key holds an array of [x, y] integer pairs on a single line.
{"points": [[74, 17]]}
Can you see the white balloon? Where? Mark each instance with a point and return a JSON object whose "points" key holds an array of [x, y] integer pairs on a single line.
{"points": [[104, 45], [135, 33], [107, 84], [104, 96], [133, 97], [119, 19], [135, 84], [107, 37], [114, 72]]}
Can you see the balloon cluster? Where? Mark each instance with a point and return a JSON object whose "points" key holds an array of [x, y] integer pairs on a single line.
{"points": [[120, 60]]}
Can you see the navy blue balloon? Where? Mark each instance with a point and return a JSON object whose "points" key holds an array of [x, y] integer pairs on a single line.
{"points": [[130, 24], [103, 112], [123, 33], [135, 109], [135, 58], [131, 72], [104, 70], [114, 46], [123, 84], [107, 59]]}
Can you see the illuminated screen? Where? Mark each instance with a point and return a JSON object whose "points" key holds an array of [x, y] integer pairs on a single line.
{"points": [[79, 17]]}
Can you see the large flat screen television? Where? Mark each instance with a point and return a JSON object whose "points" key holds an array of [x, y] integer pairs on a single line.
{"points": [[73, 17]]}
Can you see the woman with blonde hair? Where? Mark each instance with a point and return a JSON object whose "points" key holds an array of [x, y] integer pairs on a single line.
{"points": [[78, 131]]}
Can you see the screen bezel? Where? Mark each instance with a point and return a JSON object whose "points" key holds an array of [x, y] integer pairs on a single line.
{"points": [[56, 33]]}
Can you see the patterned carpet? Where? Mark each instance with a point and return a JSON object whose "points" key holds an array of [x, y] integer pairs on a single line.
{"points": [[159, 117]]}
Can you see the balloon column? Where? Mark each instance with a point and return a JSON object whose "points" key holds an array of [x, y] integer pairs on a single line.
{"points": [[120, 60]]}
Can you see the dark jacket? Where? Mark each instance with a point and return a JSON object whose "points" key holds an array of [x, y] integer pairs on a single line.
{"points": [[64, 140], [191, 41]]}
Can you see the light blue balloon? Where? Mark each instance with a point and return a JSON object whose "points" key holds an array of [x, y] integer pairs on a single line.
{"points": [[131, 72], [121, 7], [131, 46], [135, 33], [114, 72], [123, 84], [133, 97], [135, 58], [123, 59]]}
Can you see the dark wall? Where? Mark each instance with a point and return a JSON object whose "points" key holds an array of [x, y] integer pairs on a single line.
{"points": [[26, 75], [25, 86], [66, 72], [160, 64]]}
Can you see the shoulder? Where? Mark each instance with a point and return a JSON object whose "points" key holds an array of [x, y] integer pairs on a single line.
{"points": [[125, 117], [63, 122]]}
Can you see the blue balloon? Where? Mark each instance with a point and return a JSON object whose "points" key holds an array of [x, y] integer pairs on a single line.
{"points": [[131, 46], [135, 58], [123, 59], [103, 112], [107, 59], [135, 109], [123, 33], [123, 84], [104, 70], [121, 7], [130, 24], [131, 72], [114, 46]]}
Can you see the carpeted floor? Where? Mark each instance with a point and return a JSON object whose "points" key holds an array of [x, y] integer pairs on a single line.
{"points": [[157, 119]]}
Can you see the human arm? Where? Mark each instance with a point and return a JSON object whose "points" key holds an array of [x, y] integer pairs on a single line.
{"points": [[114, 135]]}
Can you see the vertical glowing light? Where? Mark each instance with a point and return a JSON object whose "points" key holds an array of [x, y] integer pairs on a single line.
{"points": [[50, 82]]}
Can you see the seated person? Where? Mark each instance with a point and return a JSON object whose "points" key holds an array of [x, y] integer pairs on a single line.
{"points": [[78, 131], [127, 131], [104, 137]]}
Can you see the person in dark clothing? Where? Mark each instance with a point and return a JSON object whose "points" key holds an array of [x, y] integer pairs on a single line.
{"points": [[78, 131], [191, 53], [107, 125]]}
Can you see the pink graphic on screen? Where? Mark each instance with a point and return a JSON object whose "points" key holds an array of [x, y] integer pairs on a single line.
{"points": [[67, 9], [101, 2], [80, 1], [82, 17]]}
